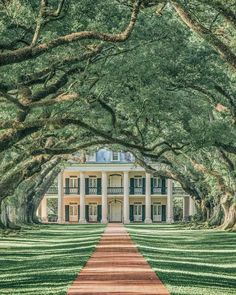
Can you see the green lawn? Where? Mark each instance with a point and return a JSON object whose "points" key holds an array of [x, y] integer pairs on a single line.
{"points": [[199, 262], [45, 260]]}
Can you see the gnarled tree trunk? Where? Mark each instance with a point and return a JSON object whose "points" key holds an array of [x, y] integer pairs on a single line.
{"points": [[228, 204]]}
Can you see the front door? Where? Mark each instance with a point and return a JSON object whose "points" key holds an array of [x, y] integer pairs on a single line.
{"points": [[137, 212], [115, 212], [93, 212], [156, 212], [73, 209]]}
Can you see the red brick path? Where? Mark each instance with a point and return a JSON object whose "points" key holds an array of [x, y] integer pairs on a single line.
{"points": [[116, 267]]}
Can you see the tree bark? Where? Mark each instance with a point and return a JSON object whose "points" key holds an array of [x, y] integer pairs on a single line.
{"points": [[229, 206], [30, 52], [217, 217]]}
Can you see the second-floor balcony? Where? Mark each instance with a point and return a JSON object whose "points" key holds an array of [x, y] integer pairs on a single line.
{"points": [[115, 190], [71, 190], [137, 191], [92, 190], [158, 190]]}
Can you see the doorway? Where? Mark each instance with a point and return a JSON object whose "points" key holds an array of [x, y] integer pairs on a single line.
{"points": [[73, 210], [138, 212], [156, 212], [93, 212], [115, 211]]}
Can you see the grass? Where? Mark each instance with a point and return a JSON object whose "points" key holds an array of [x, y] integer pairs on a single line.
{"points": [[46, 260], [199, 262]]}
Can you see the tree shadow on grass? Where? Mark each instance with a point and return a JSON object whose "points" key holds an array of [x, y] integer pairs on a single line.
{"points": [[200, 262], [47, 260]]}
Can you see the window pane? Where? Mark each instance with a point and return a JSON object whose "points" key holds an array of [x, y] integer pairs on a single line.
{"points": [[140, 209], [138, 182], [155, 210], [73, 182], [75, 210], [155, 182], [115, 156], [71, 210], [92, 182]]}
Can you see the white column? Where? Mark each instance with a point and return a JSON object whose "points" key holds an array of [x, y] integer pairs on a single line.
{"points": [[104, 197], [192, 208], [44, 210], [148, 199], [170, 213], [126, 198], [82, 198], [60, 214], [185, 208]]}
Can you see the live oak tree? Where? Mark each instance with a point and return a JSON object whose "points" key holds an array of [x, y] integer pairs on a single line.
{"points": [[166, 94], [180, 100]]}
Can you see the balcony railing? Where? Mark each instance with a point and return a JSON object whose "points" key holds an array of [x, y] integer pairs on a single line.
{"points": [[138, 191], [157, 190], [71, 190], [115, 190], [53, 190], [177, 191], [92, 191]]}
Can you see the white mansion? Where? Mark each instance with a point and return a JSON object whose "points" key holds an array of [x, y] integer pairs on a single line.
{"points": [[110, 187]]}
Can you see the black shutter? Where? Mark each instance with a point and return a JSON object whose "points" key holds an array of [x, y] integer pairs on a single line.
{"points": [[152, 212], [144, 186], [163, 213], [87, 213], [67, 213], [86, 186], [78, 185], [131, 212], [163, 186], [131, 186], [143, 212], [78, 212], [67, 188], [99, 186], [152, 184], [99, 218]]}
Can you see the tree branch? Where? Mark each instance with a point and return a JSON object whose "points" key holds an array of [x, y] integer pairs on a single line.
{"points": [[29, 52]]}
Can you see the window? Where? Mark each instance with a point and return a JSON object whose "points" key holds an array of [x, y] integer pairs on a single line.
{"points": [[115, 180], [138, 181], [92, 181], [73, 210], [73, 181], [115, 156], [156, 182], [128, 157]]}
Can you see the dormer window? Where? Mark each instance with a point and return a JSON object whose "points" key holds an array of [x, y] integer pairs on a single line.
{"points": [[115, 156]]}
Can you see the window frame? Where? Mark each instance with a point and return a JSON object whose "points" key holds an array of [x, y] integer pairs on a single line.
{"points": [[94, 178], [73, 181], [118, 157], [140, 180]]}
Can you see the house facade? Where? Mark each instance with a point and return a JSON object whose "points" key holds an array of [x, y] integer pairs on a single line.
{"points": [[110, 187]]}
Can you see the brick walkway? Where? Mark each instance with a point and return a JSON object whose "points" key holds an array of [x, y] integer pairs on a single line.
{"points": [[116, 267]]}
